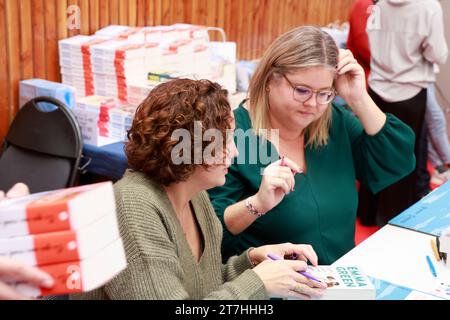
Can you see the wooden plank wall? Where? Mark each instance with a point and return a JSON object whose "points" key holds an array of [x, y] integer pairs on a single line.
{"points": [[30, 29]]}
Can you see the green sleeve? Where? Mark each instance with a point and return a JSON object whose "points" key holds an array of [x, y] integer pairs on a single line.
{"points": [[235, 266], [384, 158], [236, 271]]}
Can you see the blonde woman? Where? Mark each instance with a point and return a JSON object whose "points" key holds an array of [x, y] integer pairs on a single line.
{"points": [[307, 194]]}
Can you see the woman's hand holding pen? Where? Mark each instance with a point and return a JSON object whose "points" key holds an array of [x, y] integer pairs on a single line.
{"points": [[287, 250], [284, 278], [277, 181]]}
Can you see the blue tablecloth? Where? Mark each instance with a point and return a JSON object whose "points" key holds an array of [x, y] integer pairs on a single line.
{"points": [[429, 215], [109, 160]]}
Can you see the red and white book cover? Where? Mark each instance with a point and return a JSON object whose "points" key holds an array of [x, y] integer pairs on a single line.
{"points": [[80, 276], [59, 210], [62, 246]]}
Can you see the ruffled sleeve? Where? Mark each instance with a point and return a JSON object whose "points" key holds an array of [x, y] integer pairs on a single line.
{"points": [[384, 158]]}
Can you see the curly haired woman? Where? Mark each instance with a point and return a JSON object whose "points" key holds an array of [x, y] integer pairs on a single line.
{"points": [[171, 233]]}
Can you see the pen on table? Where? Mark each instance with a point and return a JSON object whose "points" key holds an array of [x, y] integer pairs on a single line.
{"points": [[304, 273], [430, 264]]}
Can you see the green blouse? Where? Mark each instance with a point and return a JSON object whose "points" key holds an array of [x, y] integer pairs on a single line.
{"points": [[322, 209]]}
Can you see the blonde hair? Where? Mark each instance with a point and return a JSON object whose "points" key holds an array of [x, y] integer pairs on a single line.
{"points": [[302, 47]]}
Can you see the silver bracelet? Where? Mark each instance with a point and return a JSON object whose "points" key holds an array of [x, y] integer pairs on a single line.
{"points": [[251, 208]]}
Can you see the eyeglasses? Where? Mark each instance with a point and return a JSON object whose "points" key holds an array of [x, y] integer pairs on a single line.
{"points": [[303, 93]]}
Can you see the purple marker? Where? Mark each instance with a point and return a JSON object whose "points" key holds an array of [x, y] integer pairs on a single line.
{"points": [[304, 273]]}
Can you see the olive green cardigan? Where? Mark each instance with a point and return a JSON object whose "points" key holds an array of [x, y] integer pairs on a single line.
{"points": [[160, 262]]}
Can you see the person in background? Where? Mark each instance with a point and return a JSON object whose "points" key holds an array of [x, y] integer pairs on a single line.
{"points": [[439, 146], [17, 271], [170, 231], [435, 123], [405, 44], [304, 191], [358, 42]]}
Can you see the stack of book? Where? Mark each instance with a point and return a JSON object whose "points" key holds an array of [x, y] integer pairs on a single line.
{"points": [[117, 31], [32, 88], [120, 121], [103, 120], [75, 62], [116, 63], [72, 234], [107, 62], [178, 56], [138, 92]]}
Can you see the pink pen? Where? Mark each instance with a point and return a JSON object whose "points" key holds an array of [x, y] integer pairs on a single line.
{"points": [[283, 164], [303, 273]]}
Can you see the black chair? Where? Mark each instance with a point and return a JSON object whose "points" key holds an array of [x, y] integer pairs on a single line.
{"points": [[42, 149]]}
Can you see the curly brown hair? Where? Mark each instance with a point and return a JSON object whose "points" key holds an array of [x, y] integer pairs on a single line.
{"points": [[173, 105]]}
